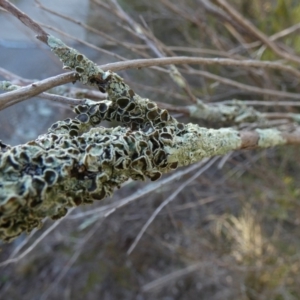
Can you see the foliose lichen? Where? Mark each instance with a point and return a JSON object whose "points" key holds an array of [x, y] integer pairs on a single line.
{"points": [[78, 161], [74, 60]]}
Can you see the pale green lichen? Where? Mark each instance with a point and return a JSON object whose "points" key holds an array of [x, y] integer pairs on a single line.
{"points": [[198, 143], [78, 162], [8, 86], [74, 60], [296, 118], [234, 113], [270, 138], [88, 72]]}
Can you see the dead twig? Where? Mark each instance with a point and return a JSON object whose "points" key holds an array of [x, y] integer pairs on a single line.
{"points": [[168, 200], [34, 89], [34, 26], [253, 30], [179, 60]]}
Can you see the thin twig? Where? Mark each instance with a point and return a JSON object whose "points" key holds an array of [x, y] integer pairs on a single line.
{"points": [[144, 63], [157, 47], [36, 242], [41, 34], [14, 78], [47, 96], [199, 51], [71, 92], [253, 30], [70, 262], [168, 200], [245, 87], [34, 89], [61, 99], [275, 36], [172, 276], [267, 103]]}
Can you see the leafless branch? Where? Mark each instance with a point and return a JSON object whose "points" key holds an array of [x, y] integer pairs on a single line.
{"points": [[14, 78], [34, 89], [253, 30], [41, 34], [179, 60], [157, 47], [245, 87]]}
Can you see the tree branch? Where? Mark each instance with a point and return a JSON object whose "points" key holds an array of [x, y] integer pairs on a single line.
{"points": [[34, 89], [6, 85], [144, 63], [77, 162], [41, 34]]}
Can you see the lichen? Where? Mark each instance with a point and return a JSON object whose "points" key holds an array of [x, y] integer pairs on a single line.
{"points": [[78, 161], [269, 138], [198, 142], [74, 60], [296, 118], [8, 86], [234, 113]]}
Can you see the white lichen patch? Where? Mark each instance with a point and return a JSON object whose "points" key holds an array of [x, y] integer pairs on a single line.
{"points": [[269, 138]]}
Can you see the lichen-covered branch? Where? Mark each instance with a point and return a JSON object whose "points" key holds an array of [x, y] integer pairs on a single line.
{"points": [[78, 161], [234, 113]]}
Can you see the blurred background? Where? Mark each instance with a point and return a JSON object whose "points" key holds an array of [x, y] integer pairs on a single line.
{"points": [[226, 228]]}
